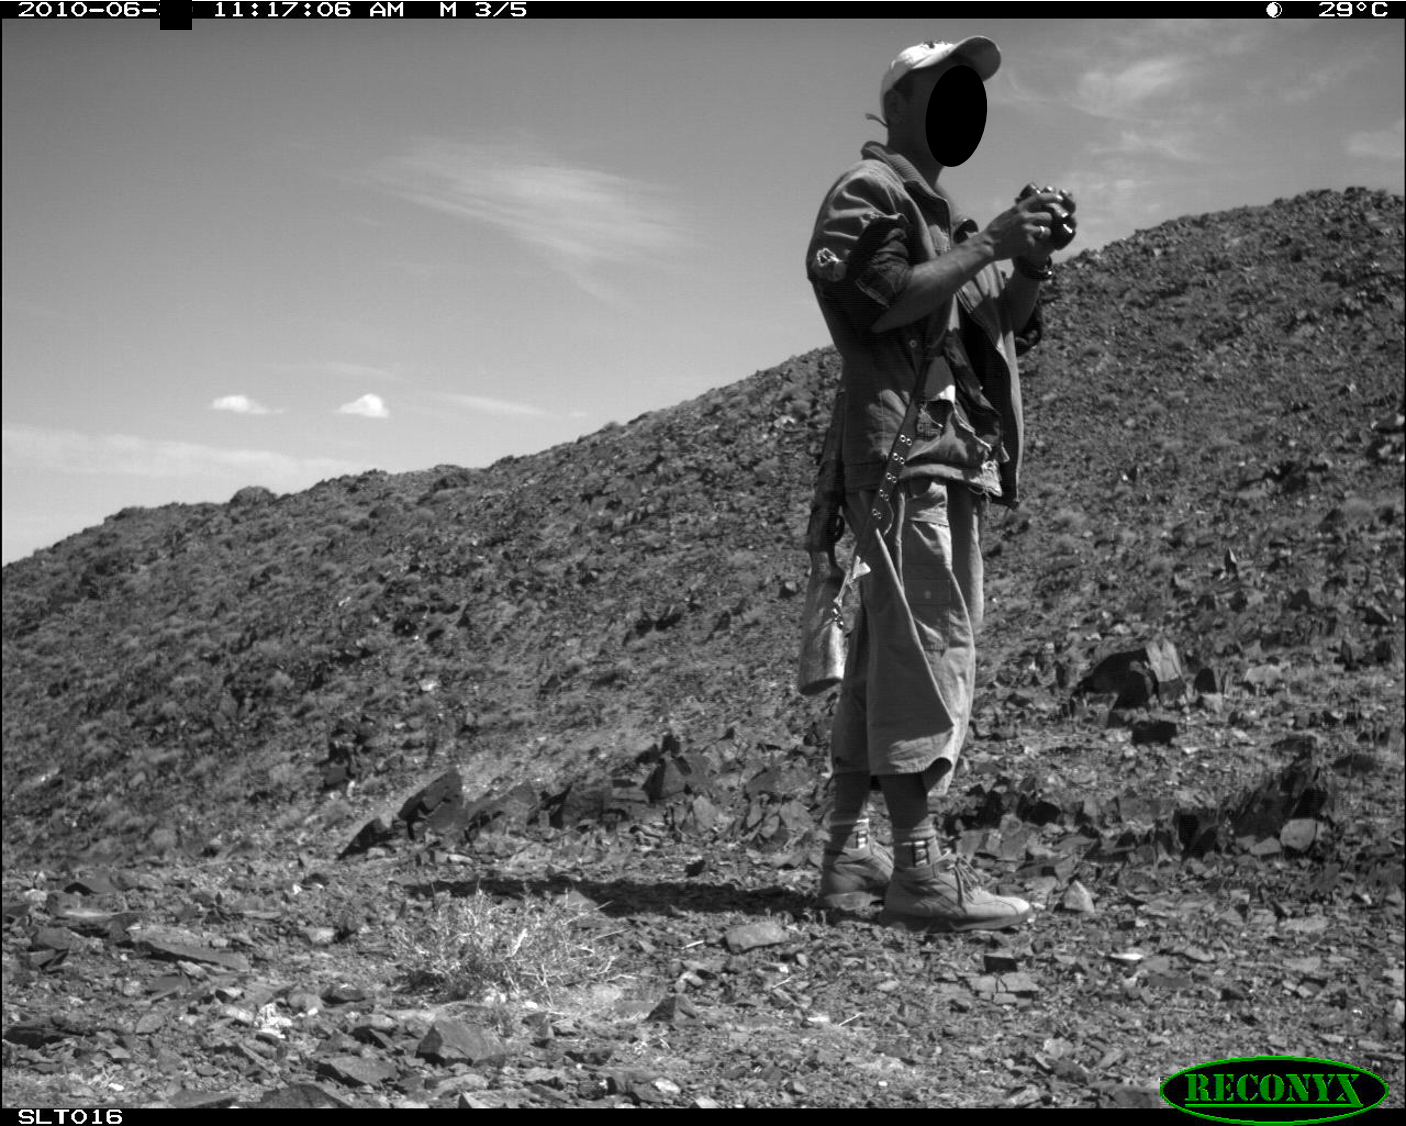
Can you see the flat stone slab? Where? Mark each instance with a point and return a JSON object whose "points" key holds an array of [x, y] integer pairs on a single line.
{"points": [[455, 1041], [300, 1096], [159, 947], [36, 1033], [189, 1099], [751, 936], [53, 938], [343, 993], [91, 921], [97, 883], [1299, 834], [357, 1071], [1021, 984]]}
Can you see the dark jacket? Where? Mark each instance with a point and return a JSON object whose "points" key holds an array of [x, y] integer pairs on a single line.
{"points": [[878, 220]]}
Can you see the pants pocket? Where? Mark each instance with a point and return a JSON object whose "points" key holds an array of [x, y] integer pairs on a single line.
{"points": [[928, 586], [930, 604], [927, 501]]}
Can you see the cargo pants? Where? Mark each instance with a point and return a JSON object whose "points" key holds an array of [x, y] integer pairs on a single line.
{"points": [[910, 671]]}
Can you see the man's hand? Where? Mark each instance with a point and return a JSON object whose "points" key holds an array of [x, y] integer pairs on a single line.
{"points": [[1063, 226], [1024, 230]]}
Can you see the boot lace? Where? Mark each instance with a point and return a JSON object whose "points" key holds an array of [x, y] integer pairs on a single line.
{"points": [[968, 882]]}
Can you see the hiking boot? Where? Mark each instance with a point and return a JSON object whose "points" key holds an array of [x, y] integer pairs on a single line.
{"points": [[947, 895], [856, 878]]}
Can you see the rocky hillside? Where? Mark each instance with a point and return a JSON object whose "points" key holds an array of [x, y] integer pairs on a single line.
{"points": [[1216, 456], [521, 744]]}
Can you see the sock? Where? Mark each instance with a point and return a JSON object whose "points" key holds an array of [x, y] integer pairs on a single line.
{"points": [[914, 834], [848, 823], [848, 836]]}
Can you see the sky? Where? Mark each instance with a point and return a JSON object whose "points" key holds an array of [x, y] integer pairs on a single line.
{"points": [[269, 253]]}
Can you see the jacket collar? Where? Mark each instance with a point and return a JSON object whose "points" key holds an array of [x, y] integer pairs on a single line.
{"points": [[961, 225]]}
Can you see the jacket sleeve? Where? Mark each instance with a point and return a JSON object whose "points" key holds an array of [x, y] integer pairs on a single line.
{"points": [[858, 256], [1030, 334]]}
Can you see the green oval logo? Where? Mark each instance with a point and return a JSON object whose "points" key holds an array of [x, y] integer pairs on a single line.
{"points": [[1280, 1089]]}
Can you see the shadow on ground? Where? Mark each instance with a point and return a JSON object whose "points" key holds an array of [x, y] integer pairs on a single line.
{"points": [[624, 897]]}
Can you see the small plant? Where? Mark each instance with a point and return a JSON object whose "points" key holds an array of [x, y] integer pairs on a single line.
{"points": [[1069, 520], [477, 948], [1357, 510]]}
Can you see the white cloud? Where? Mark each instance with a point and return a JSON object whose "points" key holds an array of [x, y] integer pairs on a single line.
{"points": [[1219, 36], [368, 406], [577, 218], [68, 451], [495, 406], [239, 404], [344, 369], [1383, 144], [1170, 144], [1120, 91], [1310, 85], [357, 371]]}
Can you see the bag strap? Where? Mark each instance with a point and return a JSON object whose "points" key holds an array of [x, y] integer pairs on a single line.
{"points": [[880, 516], [827, 506]]}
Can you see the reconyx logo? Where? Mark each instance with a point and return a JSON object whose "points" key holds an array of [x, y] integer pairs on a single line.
{"points": [[1282, 1089]]}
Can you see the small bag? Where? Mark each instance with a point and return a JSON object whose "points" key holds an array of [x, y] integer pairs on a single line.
{"points": [[823, 629], [822, 661], [957, 415]]}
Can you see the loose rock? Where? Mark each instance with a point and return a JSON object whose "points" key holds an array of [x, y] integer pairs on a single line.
{"points": [[1078, 899], [299, 1096], [455, 1041], [752, 936], [357, 1071]]}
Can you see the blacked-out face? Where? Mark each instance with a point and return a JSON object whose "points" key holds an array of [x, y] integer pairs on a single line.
{"points": [[956, 116], [950, 101]]}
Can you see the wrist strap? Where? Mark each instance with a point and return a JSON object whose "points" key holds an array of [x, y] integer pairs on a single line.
{"points": [[1025, 270]]}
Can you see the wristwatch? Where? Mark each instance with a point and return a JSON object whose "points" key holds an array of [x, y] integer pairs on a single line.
{"points": [[1025, 270]]}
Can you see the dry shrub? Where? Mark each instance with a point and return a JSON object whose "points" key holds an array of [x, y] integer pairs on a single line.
{"points": [[282, 777], [163, 840], [1357, 510], [202, 768], [153, 758], [476, 947], [1069, 520]]}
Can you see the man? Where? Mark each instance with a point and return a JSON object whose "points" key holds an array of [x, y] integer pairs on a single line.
{"points": [[916, 306]]}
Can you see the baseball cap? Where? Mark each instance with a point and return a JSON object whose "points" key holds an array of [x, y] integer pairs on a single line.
{"points": [[977, 51]]}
